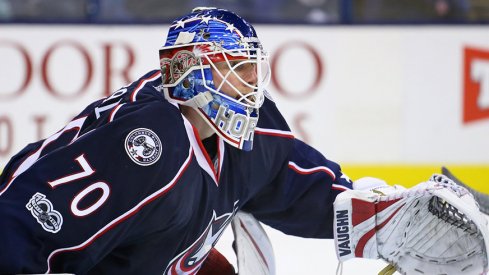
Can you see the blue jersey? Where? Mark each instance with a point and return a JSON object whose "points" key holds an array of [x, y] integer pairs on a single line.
{"points": [[128, 187]]}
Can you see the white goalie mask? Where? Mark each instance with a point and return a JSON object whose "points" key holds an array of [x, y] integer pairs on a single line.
{"points": [[214, 62]]}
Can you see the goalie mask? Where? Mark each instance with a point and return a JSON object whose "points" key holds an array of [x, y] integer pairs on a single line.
{"points": [[214, 62]]}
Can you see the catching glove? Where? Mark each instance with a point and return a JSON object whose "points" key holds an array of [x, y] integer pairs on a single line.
{"points": [[433, 228]]}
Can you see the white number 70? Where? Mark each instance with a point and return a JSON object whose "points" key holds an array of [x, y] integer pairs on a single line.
{"points": [[87, 170]]}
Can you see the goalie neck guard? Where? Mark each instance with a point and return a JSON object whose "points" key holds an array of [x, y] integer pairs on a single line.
{"points": [[214, 62]]}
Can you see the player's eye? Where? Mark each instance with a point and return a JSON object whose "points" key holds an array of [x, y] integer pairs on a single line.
{"points": [[240, 66], [233, 63]]}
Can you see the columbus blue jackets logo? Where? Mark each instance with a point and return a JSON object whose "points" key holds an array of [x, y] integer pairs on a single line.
{"points": [[190, 260], [42, 209], [143, 146]]}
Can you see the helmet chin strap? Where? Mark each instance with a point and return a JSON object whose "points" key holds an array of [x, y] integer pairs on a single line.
{"points": [[200, 100]]}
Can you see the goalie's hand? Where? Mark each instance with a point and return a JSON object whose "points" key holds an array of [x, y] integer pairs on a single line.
{"points": [[433, 228]]}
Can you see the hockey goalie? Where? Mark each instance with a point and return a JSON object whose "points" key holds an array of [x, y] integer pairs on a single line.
{"points": [[433, 228]]}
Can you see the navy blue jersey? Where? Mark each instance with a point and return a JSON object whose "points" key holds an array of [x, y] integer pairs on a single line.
{"points": [[127, 187]]}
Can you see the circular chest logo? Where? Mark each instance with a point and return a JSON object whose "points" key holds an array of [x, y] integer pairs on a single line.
{"points": [[143, 146]]}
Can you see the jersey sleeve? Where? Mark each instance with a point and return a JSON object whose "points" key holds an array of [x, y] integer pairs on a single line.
{"points": [[299, 201], [92, 192]]}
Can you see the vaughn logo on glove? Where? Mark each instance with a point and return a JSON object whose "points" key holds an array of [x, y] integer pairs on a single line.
{"points": [[343, 232]]}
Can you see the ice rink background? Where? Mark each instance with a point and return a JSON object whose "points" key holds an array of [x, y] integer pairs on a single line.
{"points": [[294, 255]]}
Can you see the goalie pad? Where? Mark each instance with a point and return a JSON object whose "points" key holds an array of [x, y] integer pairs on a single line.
{"points": [[254, 250], [433, 228]]}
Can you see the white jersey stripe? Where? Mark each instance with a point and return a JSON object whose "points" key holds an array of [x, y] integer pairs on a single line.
{"points": [[312, 170], [29, 161], [112, 114], [200, 154], [273, 132], [142, 83]]}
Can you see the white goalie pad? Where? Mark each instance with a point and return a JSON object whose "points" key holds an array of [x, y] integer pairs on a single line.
{"points": [[254, 251], [433, 228]]}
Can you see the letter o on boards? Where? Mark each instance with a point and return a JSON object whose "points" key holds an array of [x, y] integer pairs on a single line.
{"points": [[27, 73], [102, 186], [318, 69], [46, 77]]}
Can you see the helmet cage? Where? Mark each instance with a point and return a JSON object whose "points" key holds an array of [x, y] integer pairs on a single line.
{"points": [[188, 80], [254, 57]]}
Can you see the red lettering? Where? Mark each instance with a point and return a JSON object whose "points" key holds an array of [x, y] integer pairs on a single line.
{"points": [[318, 69], [39, 121], [113, 68], [124, 71], [27, 73], [88, 69], [6, 136]]}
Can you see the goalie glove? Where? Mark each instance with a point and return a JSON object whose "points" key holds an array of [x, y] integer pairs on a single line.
{"points": [[433, 228]]}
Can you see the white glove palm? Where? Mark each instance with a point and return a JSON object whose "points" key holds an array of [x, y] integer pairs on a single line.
{"points": [[432, 228]]}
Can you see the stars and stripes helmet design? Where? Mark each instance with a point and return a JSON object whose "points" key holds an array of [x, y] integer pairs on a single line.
{"points": [[213, 61]]}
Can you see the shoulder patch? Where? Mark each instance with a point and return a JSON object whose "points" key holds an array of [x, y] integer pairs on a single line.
{"points": [[143, 146]]}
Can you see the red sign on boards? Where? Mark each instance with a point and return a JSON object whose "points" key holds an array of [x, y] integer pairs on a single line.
{"points": [[476, 85]]}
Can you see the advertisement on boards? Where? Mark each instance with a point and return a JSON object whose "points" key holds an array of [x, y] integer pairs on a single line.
{"points": [[360, 95]]}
